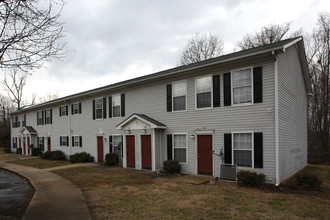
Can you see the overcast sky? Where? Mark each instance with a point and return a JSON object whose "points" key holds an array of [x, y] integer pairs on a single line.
{"points": [[112, 41]]}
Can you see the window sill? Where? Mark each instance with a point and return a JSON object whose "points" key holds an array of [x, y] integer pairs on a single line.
{"points": [[241, 105]]}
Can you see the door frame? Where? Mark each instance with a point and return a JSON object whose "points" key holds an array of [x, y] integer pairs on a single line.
{"points": [[97, 148], [151, 151], [49, 144], [196, 147]]}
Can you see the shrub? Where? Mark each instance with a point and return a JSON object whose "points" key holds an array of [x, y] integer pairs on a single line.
{"points": [[111, 159], [81, 158], [247, 178], [19, 150], [7, 150], [46, 155], [308, 181], [53, 155], [171, 166], [36, 152]]}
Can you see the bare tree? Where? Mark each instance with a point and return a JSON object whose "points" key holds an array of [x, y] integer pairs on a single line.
{"points": [[268, 34], [50, 96], [201, 47], [29, 33], [318, 52], [6, 107]]}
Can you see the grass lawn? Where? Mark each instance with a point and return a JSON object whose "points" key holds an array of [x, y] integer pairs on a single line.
{"points": [[114, 194], [40, 163]]}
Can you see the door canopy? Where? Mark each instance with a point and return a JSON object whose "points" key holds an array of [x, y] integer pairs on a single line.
{"points": [[140, 121]]}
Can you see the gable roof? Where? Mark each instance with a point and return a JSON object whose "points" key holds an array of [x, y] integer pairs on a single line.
{"points": [[142, 117], [30, 129], [278, 46]]}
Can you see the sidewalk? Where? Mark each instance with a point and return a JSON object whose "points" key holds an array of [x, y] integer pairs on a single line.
{"points": [[54, 198]]}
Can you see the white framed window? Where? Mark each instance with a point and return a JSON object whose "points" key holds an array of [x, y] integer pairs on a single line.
{"points": [[242, 86], [48, 113], [64, 110], [77, 141], [180, 147], [64, 141], [14, 142], [76, 108], [179, 95], [23, 120], [204, 92], [99, 108], [243, 149], [40, 117], [41, 143], [116, 108], [117, 145]]}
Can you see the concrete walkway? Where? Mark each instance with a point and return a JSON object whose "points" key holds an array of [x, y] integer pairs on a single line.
{"points": [[54, 198]]}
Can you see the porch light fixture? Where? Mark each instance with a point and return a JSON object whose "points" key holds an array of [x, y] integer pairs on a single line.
{"points": [[128, 131], [144, 131], [105, 139], [192, 136]]}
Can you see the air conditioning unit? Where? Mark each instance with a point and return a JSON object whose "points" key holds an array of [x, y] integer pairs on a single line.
{"points": [[228, 172]]}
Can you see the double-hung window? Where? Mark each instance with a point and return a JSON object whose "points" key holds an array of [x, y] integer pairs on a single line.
{"points": [[76, 141], [99, 108], [116, 107], [48, 116], [23, 120], [179, 93], [63, 110], [15, 142], [204, 92], [242, 86], [40, 117], [243, 149], [76, 108], [180, 147], [41, 143], [64, 141]]}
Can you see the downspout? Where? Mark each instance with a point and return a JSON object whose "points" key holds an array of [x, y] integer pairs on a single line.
{"points": [[69, 124], [277, 151]]}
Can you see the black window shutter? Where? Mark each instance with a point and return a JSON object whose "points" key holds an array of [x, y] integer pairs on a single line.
{"points": [[110, 107], [110, 144], [60, 111], [67, 141], [51, 116], [72, 141], [122, 103], [60, 141], [169, 147], [169, 97], [258, 150], [37, 142], [93, 109], [37, 119], [79, 107], [42, 115], [80, 140], [121, 146], [71, 109], [228, 151], [67, 110], [104, 107], [216, 91], [257, 84], [226, 89]]}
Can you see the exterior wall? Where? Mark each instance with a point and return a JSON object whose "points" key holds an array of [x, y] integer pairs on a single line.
{"points": [[151, 100], [292, 113]]}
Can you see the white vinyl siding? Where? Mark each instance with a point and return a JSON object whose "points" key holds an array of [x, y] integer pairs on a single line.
{"points": [[204, 92], [179, 93], [242, 86]]}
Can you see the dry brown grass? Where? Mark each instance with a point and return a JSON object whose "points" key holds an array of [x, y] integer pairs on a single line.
{"points": [[115, 194]]}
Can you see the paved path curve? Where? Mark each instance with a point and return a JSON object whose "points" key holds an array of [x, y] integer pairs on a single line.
{"points": [[54, 198]]}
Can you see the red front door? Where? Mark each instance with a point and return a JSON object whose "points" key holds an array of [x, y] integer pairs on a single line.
{"points": [[204, 145], [100, 149], [130, 150], [28, 145], [24, 146], [49, 147], [146, 151]]}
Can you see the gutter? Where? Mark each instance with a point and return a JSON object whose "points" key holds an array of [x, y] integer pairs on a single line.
{"points": [[277, 150]]}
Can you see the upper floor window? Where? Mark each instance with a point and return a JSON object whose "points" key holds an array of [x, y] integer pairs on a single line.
{"points": [[99, 108], [15, 122], [242, 86], [179, 93], [40, 118], [116, 105], [180, 147], [76, 108], [204, 92], [48, 113], [63, 110], [24, 120]]}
